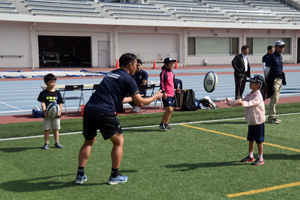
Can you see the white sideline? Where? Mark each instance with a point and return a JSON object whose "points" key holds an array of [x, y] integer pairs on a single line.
{"points": [[138, 127]]}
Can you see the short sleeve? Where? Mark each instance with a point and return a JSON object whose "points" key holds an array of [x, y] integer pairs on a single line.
{"points": [[132, 87], [41, 97], [59, 98], [145, 76]]}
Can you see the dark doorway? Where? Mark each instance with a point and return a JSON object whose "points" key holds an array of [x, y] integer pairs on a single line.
{"points": [[64, 51]]}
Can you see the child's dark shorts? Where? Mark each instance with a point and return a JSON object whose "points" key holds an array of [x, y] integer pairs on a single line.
{"points": [[168, 102], [107, 124], [256, 133]]}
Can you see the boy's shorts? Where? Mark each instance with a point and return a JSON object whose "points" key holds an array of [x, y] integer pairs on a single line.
{"points": [[51, 123], [168, 102], [107, 124], [256, 133]]}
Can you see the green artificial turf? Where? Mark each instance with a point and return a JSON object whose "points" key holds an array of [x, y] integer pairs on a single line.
{"points": [[73, 125], [185, 163]]}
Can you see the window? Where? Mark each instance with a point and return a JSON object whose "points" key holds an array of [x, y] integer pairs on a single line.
{"points": [[212, 45], [259, 45], [287, 49], [249, 43], [191, 46], [234, 46]]}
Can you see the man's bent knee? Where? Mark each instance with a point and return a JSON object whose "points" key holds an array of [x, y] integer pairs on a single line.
{"points": [[90, 142], [117, 139]]}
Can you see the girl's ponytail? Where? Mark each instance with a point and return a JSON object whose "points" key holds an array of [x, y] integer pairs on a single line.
{"points": [[263, 90]]}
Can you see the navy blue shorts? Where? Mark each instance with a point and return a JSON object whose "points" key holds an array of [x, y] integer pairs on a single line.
{"points": [[256, 133], [168, 102], [107, 124]]}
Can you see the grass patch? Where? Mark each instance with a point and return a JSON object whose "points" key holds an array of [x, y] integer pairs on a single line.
{"points": [[73, 125], [184, 163]]}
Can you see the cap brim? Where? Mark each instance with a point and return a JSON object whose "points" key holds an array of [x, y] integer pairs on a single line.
{"points": [[171, 61]]}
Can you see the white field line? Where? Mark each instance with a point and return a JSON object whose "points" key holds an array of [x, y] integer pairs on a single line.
{"points": [[138, 127]]}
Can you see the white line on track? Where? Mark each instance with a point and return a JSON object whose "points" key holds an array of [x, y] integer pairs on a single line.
{"points": [[138, 127], [9, 105]]}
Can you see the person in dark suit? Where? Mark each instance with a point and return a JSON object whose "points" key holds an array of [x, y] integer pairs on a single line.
{"points": [[241, 68]]}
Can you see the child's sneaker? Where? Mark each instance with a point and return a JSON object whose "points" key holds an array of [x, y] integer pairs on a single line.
{"points": [[136, 109], [58, 145], [248, 159], [162, 128], [170, 128], [258, 162], [80, 179], [274, 120], [116, 180], [46, 146]]}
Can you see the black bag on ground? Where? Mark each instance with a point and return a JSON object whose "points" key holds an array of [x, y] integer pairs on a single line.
{"points": [[188, 103]]}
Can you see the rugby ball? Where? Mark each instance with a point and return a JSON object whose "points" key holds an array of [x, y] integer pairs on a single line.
{"points": [[210, 81], [52, 110]]}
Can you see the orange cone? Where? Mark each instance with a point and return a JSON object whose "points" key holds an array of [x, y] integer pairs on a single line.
{"points": [[176, 66], [154, 65], [117, 64]]}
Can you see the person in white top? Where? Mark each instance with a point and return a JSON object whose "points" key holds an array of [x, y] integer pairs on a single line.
{"points": [[265, 58], [255, 116]]}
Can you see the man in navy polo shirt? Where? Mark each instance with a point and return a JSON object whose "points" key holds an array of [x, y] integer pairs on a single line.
{"points": [[276, 78], [141, 78], [100, 113]]}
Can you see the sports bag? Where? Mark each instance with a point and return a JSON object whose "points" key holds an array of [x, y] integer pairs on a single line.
{"points": [[188, 103]]}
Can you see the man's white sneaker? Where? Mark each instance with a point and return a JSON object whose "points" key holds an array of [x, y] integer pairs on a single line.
{"points": [[80, 179], [116, 180]]}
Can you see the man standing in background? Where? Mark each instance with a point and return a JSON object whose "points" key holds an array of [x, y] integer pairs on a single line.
{"points": [[265, 59], [276, 78], [241, 68]]}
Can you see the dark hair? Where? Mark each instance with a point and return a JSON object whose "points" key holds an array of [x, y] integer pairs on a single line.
{"points": [[270, 47], [139, 61], [245, 47], [126, 59], [263, 90], [49, 77]]}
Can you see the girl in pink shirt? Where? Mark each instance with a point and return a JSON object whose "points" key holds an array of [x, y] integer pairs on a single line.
{"points": [[167, 79], [255, 116]]}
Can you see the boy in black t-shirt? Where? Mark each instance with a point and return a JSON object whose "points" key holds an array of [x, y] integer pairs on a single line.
{"points": [[46, 97]]}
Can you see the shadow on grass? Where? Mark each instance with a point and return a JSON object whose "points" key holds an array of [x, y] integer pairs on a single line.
{"points": [[17, 149], [187, 167], [281, 157], [40, 184]]}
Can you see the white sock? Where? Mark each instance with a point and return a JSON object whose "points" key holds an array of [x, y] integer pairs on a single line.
{"points": [[260, 157], [250, 155]]}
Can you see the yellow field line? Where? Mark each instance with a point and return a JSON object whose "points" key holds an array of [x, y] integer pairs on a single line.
{"points": [[252, 191], [264, 189], [230, 135]]}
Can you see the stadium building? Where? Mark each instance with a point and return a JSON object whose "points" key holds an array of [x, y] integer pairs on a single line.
{"points": [[81, 33]]}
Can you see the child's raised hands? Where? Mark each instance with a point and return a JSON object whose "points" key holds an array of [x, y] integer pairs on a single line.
{"points": [[225, 101], [239, 102]]}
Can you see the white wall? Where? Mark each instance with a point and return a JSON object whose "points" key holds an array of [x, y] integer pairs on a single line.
{"points": [[15, 40], [148, 42]]}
